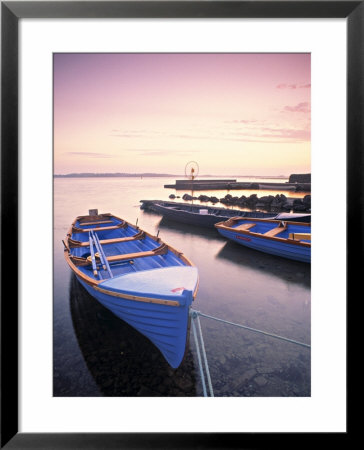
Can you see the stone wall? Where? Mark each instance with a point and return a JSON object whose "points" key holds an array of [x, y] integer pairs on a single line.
{"points": [[300, 178]]}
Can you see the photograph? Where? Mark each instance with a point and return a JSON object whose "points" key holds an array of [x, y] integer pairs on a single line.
{"points": [[181, 224]]}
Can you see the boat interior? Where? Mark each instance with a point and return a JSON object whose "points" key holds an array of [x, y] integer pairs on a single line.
{"points": [[120, 248], [281, 229]]}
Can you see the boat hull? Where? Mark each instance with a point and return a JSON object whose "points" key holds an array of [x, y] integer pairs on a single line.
{"points": [[193, 214], [143, 281], [278, 246], [165, 326]]}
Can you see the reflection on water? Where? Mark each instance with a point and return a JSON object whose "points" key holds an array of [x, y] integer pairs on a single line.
{"points": [[189, 230], [122, 361], [97, 354], [291, 271]]}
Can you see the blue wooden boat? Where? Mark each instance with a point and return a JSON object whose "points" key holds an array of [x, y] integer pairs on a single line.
{"points": [[142, 280], [208, 216], [290, 240]]}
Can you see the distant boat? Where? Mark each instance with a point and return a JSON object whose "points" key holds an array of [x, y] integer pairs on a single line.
{"points": [[277, 186], [290, 240], [207, 216], [143, 281]]}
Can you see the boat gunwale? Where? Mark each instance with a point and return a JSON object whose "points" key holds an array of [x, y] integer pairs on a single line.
{"points": [[225, 225], [92, 282], [221, 211], [189, 213]]}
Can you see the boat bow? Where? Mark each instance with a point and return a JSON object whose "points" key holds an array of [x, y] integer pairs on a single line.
{"points": [[170, 284]]}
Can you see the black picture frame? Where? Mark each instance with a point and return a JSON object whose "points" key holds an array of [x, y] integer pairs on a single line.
{"points": [[11, 12]]}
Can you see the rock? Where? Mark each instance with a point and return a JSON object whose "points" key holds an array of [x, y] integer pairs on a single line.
{"points": [[298, 208], [184, 384], [248, 375], [172, 196], [307, 200], [265, 370], [267, 199], [145, 392], [260, 380], [287, 206], [187, 197], [162, 389]]}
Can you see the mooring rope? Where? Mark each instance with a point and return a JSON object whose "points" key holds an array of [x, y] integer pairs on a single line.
{"points": [[253, 329], [199, 358], [205, 357], [195, 317]]}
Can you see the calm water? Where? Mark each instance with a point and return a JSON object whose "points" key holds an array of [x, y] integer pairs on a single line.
{"points": [[96, 354]]}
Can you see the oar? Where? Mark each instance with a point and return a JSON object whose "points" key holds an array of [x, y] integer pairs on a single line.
{"points": [[103, 258], [93, 260], [98, 248]]}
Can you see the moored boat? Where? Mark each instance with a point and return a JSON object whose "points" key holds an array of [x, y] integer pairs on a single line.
{"points": [[290, 240], [142, 280], [208, 216]]}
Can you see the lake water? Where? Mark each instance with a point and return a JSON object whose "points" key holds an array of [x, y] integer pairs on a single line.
{"points": [[96, 354]]}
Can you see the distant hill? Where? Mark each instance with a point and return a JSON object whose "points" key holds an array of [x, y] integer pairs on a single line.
{"points": [[148, 174], [99, 175]]}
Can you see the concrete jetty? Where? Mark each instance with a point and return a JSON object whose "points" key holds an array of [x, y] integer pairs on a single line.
{"points": [[200, 185]]}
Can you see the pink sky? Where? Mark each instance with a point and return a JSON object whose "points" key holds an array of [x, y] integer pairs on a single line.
{"points": [[235, 114]]}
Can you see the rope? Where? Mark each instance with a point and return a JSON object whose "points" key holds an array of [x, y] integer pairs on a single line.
{"points": [[198, 313], [204, 356], [195, 317], [199, 359]]}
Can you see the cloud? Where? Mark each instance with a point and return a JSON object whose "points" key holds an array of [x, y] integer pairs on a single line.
{"points": [[166, 152], [245, 121], [303, 107], [287, 133], [241, 130], [293, 86], [90, 154]]}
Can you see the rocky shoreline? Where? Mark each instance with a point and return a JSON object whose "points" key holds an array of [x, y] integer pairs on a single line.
{"points": [[272, 203]]}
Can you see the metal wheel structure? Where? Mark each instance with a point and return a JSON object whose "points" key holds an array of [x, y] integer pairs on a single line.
{"points": [[191, 170]]}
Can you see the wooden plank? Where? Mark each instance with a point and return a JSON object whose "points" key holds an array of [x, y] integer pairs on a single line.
{"points": [[136, 237], [161, 250], [274, 231], [86, 230], [95, 222], [245, 226], [158, 251], [300, 236]]}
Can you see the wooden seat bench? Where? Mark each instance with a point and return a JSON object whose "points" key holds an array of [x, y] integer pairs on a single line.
{"points": [[274, 231], [86, 230], [161, 250], [245, 226], [138, 236], [96, 222], [300, 236]]}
